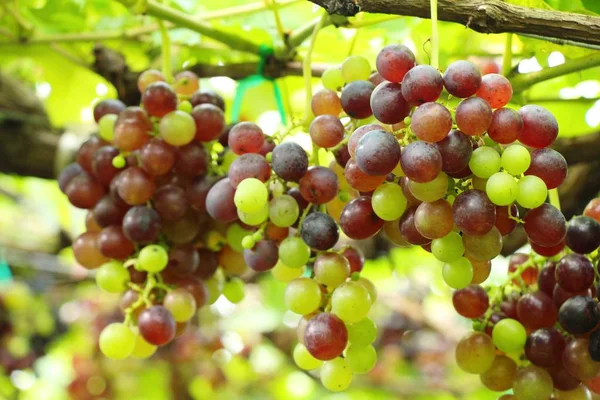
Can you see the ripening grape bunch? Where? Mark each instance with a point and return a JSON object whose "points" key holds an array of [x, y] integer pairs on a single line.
{"points": [[538, 334]]}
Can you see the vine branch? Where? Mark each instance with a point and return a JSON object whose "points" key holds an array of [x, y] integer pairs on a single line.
{"points": [[484, 16]]}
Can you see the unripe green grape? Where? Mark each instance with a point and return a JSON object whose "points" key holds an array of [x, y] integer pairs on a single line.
{"points": [[283, 211], [502, 189], [579, 393], [112, 277], [356, 68], [388, 201], [362, 333], [293, 252], [509, 335], [430, 191], [303, 296], [475, 353], [106, 127], [367, 284], [117, 341], [304, 359], [448, 248], [331, 269], [533, 383], [235, 234], [458, 274], [532, 191], [18, 346], [333, 79], [516, 159], [153, 258], [214, 285], [484, 162], [257, 236], [228, 158], [351, 302], [251, 196], [181, 304], [177, 128], [361, 359], [142, 349], [336, 374], [185, 106], [119, 161], [248, 242], [254, 219], [234, 290], [283, 273]]}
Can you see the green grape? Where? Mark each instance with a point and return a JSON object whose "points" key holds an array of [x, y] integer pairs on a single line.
{"points": [[257, 236], [283, 211], [532, 191], [248, 242], [351, 302], [432, 190], [579, 393], [235, 234], [484, 162], [362, 333], [18, 346], [388, 201], [333, 79], [331, 269], [336, 374], [251, 196], [448, 248], [16, 297], [181, 304], [214, 285], [293, 252], [117, 341], [142, 349], [112, 277], [509, 335], [361, 359], [367, 284], [516, 159], [304, 359], [153, 258], [228, 158], [303, 296], [177, 128], [356, 68], [254, 219], [502, 189], [283, 273], [234, 290], [458, 274], [119, 161], [533, 383], [185, 106], [106, 127], [475, 353]]}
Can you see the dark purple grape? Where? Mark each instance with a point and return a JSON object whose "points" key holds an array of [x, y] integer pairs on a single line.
{"points": [[87, 152], [387, 103], [422, 84], [210, 122], [421, 161], [540, 127], [342, 155], [547, 279], [319, 231], [114, 244], [319, 185], [156, 325], [141, 224], [263, 256], [157, 157], [192, 160], [473, 212], [170, 202], [356, 99], [197, 192], [594, 345], [575, 273], [108, 106], [583, 234], [545, 225], [548, 165], [102, 164], [183, 260], [206, 96], [456, 150], [409, 230], [536, 310], [289, 161], [504, 222], [208, 264], [325, 336], [377, 153], [579, 314], [544, 347], [109, 211], [219, 201], [462, 79], [358, 220], [68, 173], [394, 61], [83, 191]]}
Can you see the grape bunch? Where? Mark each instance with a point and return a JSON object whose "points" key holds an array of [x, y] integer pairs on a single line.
{"points": [[539, 332], [182, 205]]}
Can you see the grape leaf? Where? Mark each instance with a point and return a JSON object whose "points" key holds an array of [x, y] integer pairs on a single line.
{"points": [[592, 5]]}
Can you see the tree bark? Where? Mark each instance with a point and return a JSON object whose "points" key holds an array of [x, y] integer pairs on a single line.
{"points": [[485, 16]]}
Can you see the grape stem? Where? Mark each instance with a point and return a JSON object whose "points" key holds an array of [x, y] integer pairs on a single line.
{"points": [[272, 4], [153, 280], [302, 217], [508, 55], [307, 71], [166, 52], [435, 37]]}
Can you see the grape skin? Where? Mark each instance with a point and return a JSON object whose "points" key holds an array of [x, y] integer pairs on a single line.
{"points": [[377, 153], [388, 104], [431, 122], [462, 79], [356, 99], [394, 61], [422, 84]]}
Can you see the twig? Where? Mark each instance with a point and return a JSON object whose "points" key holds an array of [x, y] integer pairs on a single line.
{"points": [[508, 56], [307, 70]]}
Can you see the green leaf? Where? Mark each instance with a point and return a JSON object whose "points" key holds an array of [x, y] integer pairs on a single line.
{"points": [[592, 5]]}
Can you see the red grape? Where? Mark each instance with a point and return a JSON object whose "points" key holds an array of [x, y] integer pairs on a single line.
{"points": [[462, 79], [394, 61], [422, 84]]}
